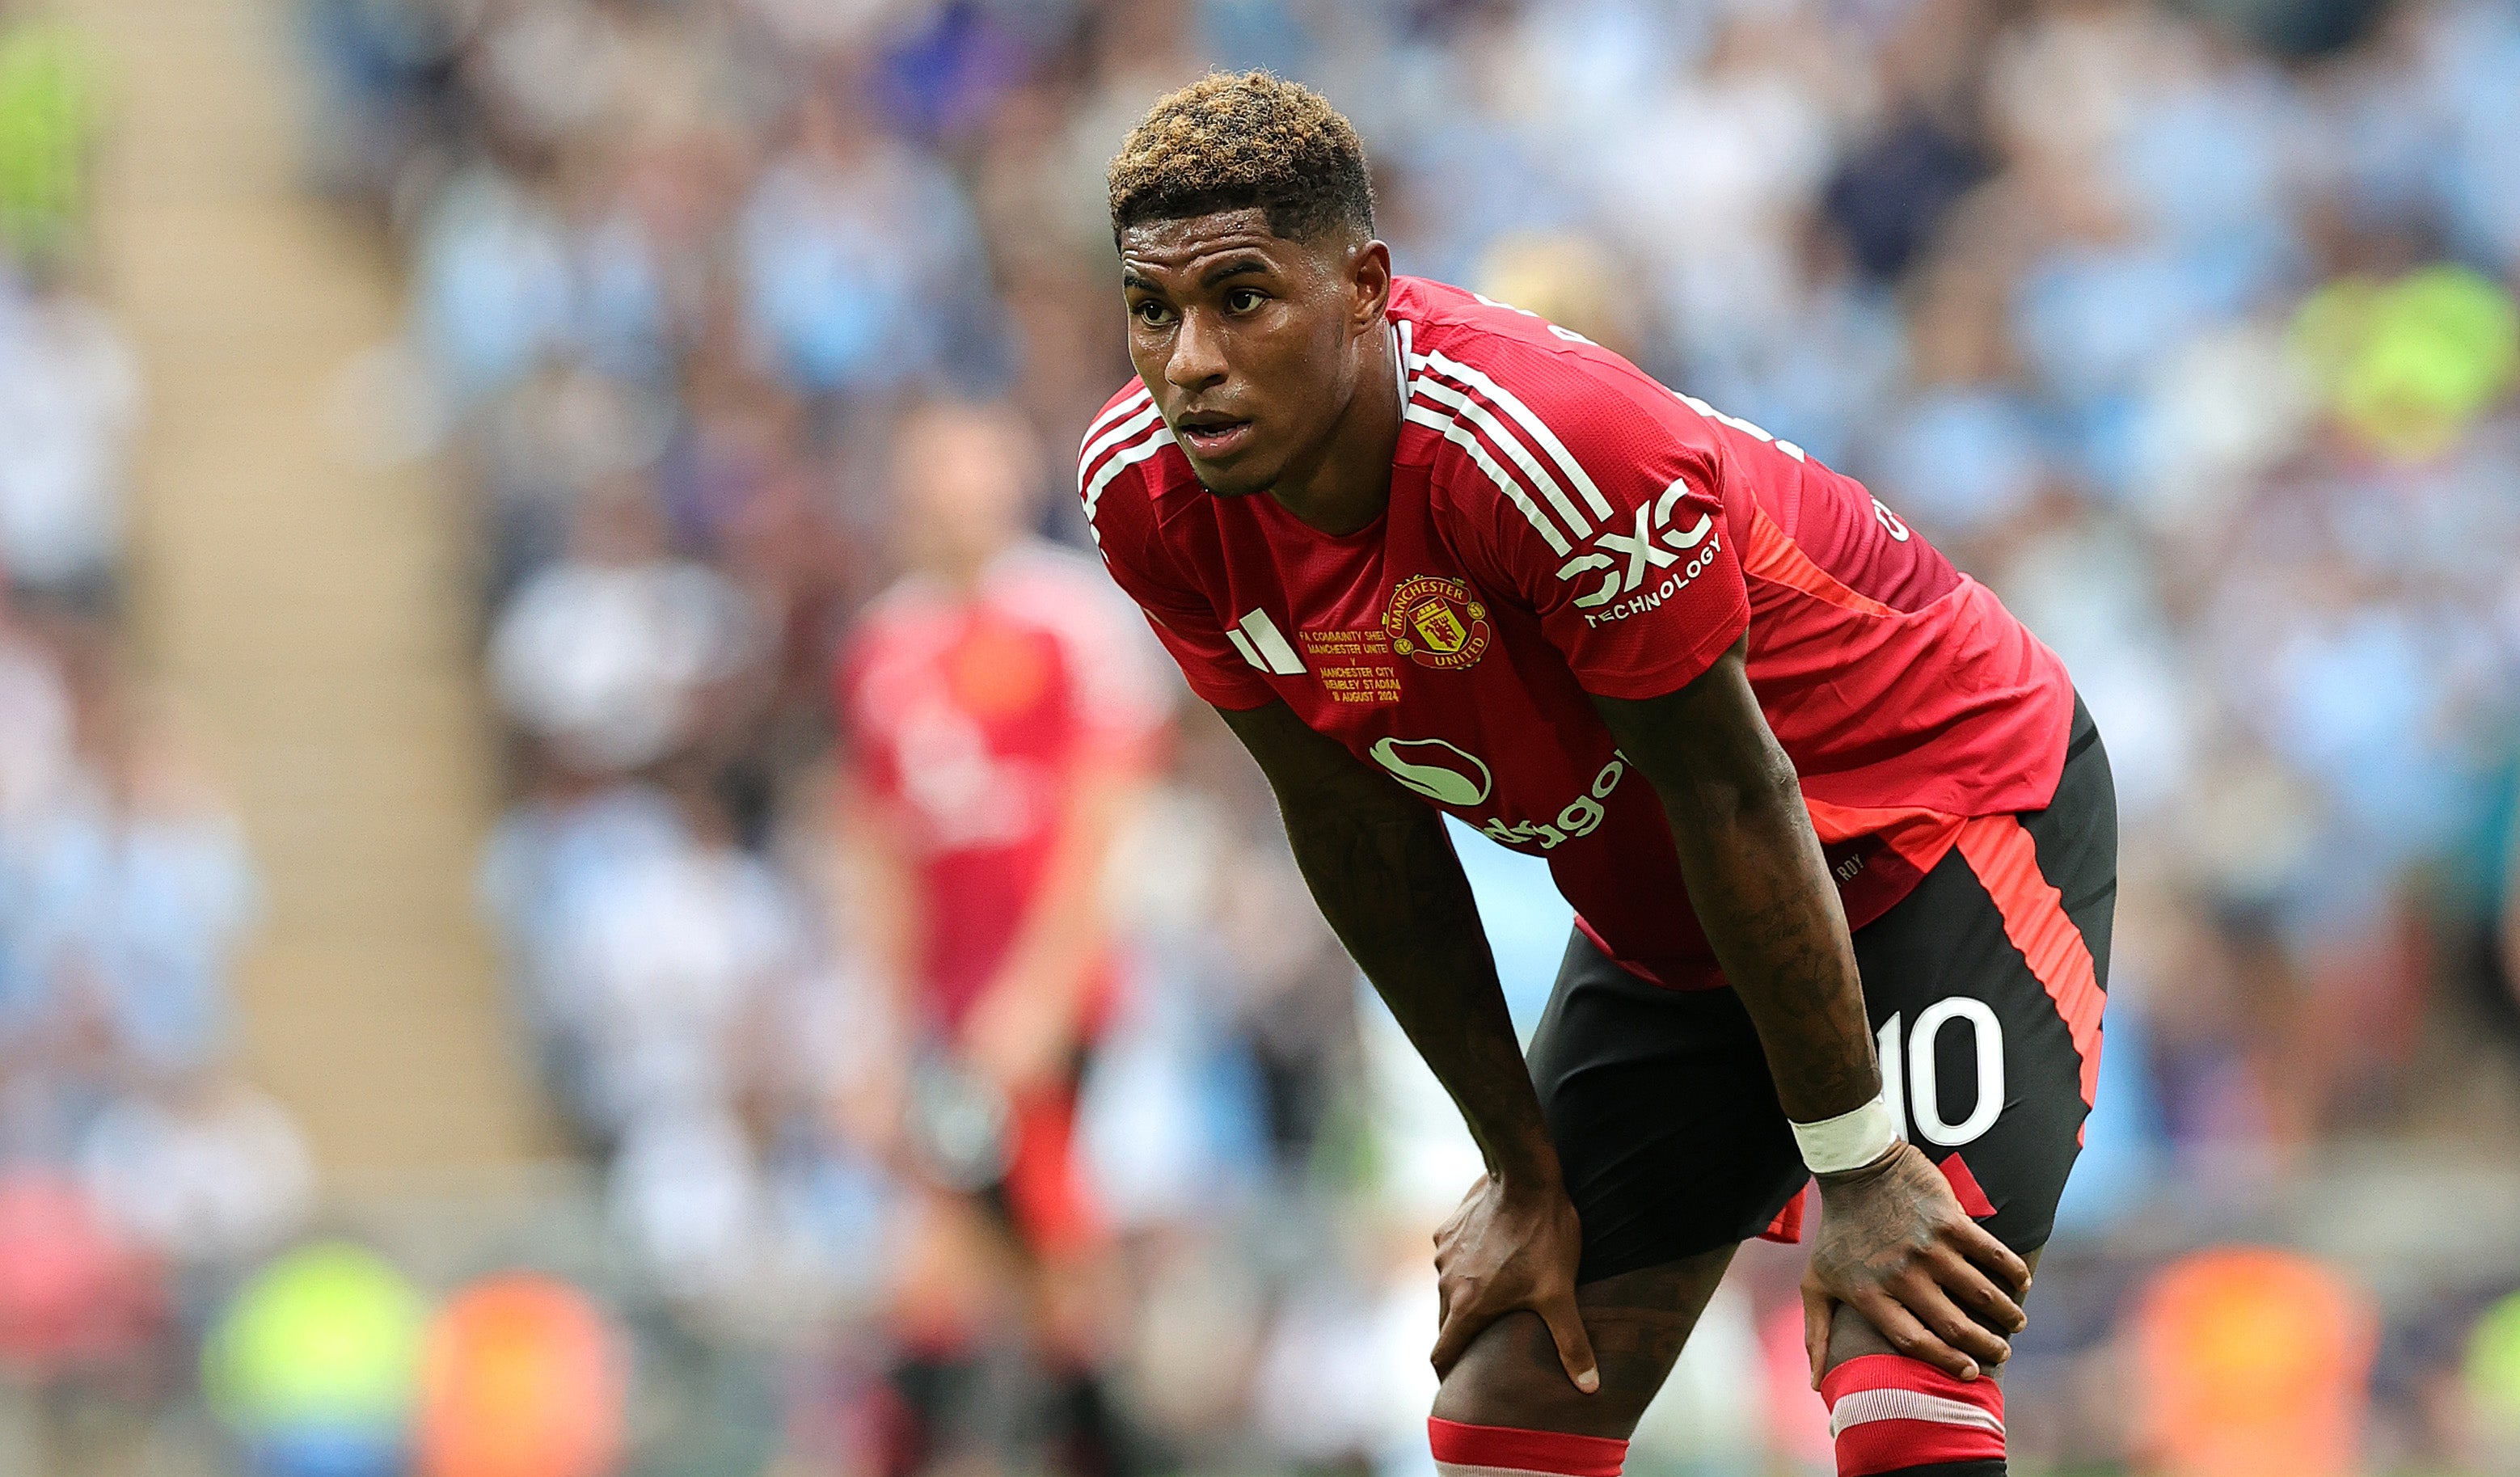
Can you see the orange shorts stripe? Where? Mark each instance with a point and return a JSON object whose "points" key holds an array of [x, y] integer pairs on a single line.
{"points": [[2006, 860]]}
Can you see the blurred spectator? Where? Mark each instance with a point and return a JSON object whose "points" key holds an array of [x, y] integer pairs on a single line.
{"points": [[314, 1366], [50, 116], [2251, 1363], [610, 654], [860, 252], [68, 408], [2491, 1377], [523, 1378], [206, 1169], [128, 894], [74, 1294]]}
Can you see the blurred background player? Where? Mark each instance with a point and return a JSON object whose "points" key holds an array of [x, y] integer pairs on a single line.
{"points": [[1000, 720]]}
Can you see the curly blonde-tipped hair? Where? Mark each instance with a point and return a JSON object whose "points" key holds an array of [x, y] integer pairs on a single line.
{"points": [[1231, 142]]}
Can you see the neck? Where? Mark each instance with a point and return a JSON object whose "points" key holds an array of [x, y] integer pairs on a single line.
{"points": [[961, 570], [1346, 486]]}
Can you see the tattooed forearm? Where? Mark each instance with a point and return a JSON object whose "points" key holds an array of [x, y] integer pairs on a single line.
{"points": [[1759, 882], [1764, 897]]}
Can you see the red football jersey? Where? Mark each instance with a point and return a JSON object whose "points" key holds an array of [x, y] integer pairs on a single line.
{"points": [[1561, 525], [969, 717]]}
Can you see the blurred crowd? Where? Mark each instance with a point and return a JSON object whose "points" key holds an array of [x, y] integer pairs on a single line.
{"points": [[136, 1165], [2192, 332], [921, 973]]}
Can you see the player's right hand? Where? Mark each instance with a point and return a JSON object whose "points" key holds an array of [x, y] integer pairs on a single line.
{"points": [[1513, 1245], [1895, 1246]]}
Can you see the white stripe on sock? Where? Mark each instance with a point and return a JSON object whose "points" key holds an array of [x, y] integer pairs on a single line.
{"points": [[1863, 1406]]}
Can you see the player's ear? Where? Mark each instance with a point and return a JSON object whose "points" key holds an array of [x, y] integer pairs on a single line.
{"points": [[1369, 283]]}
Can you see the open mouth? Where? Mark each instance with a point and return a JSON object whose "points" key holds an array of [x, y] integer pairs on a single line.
{"points": [[1210, 437]]}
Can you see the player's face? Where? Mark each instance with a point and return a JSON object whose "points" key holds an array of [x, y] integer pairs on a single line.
{"points": [[1246, 340]]}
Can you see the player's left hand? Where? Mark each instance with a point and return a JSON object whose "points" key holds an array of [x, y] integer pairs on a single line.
{"points": [[1895, 1246]]}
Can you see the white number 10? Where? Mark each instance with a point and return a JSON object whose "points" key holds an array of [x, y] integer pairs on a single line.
{"points": [[1908, 1076]]}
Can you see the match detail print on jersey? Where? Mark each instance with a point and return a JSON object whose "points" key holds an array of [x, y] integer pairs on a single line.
{"points": [[1354, 666]]}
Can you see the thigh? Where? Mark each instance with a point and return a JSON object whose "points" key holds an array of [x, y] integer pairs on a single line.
{"points": [[1664, 1118], [1986, 987]]}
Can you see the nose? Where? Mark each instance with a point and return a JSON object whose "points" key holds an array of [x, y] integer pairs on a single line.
{"points": [[1197, 359]]}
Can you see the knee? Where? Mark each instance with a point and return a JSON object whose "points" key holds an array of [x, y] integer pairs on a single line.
{"points": [[1510, 1378]]}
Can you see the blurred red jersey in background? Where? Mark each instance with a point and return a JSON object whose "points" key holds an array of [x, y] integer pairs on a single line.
{"points": [[971, 718]]}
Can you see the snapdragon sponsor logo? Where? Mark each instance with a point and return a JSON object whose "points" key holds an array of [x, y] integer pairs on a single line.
{"points": [[1443, 772], [1580, 816]]}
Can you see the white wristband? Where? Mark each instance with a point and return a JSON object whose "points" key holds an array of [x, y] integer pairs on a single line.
{"points": [[1848, 1141]]}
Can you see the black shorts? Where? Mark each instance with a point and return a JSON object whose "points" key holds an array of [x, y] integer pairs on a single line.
{"points": [[1666, 1120]]}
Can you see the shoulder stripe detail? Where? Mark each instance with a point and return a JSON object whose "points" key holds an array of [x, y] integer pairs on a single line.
{"points": [[1127, 430], [1512, 444], [1118, 462], [1453, 431], [1128, 405], [1512, 405]]}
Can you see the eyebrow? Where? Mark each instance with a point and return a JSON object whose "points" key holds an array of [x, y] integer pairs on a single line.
{"points": [[1235, 268], [1238, 266]]}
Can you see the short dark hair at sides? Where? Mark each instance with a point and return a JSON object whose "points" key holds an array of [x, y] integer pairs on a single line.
{"points": [[1231, 142]]}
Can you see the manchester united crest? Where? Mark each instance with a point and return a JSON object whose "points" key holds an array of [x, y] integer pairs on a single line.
{"points": [[1436, 622]]}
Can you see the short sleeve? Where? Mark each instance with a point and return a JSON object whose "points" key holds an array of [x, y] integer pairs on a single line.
{"points": [[1117, 510], [1189, 629], [1615, 527]]}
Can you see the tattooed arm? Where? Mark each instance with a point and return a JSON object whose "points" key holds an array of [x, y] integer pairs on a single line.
{"points": [[1383, 870], [1893, 1243], [1762, 888]]}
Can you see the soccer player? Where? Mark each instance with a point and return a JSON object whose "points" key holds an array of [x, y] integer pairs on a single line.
{"points": [[1841, 838], [1002, 710]]}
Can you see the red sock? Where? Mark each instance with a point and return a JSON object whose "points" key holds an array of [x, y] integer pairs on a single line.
{"points": [[1889, 1413], [1464, 1451]]}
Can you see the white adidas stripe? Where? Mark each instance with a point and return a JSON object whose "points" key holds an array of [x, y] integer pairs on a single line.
{"points": [[1118, 462], [1507, 401], [1863, 1406], [1453, 431], [1276, 656], [1128, 406], [1124, 430], [1512, 445]]}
